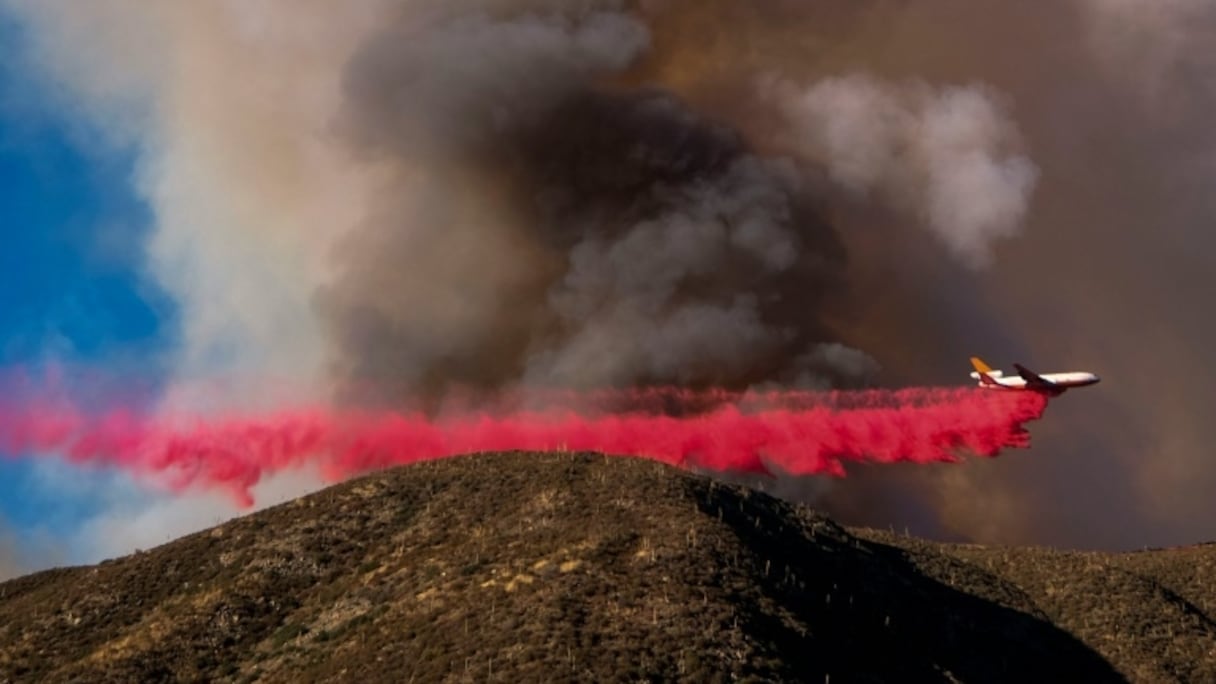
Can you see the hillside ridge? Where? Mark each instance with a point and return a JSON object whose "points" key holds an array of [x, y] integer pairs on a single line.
{"points": [[579, 567]]}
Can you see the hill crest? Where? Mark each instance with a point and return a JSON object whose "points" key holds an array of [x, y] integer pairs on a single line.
{"points": [[577, 567]]}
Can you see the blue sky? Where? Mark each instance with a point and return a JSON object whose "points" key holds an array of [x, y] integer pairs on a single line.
{"points": [[71, 291]]}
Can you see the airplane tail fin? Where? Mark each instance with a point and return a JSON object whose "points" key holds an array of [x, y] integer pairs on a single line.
{"points": [[983, 370]]}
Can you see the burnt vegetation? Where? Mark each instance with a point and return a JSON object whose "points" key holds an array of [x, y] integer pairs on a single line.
{"points": [[575, 567]]}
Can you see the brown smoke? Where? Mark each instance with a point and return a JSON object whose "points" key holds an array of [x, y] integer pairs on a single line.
{"points": [[1110, 99], [10, 560], [20, 554], [399, 198]]}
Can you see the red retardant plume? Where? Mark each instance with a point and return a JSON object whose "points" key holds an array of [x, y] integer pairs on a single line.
{"points": [[800, 433]]}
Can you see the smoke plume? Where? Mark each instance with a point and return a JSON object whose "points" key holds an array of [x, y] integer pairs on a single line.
{"points": [[403, 201], [551, 228], [943, 156]]}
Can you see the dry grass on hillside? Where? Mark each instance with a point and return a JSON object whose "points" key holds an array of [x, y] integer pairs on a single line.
{"points": [[572, 567]]}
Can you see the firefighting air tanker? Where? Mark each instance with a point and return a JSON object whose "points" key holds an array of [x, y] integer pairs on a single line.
{"points": [[1052, 384]]}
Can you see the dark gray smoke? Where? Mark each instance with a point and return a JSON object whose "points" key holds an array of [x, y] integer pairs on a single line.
{"points": [[549, 220], [548, 226]]}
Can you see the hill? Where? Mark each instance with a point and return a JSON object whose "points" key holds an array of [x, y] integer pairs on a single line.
{"points": [[570, 567]]}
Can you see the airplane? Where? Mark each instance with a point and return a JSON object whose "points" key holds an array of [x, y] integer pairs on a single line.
{"points": [[1052, 384]]}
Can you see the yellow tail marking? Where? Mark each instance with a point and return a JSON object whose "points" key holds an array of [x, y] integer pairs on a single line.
{"points": [[979, 365]]}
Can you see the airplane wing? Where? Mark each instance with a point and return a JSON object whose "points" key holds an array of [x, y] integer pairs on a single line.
{"points": [[1033, 380]]}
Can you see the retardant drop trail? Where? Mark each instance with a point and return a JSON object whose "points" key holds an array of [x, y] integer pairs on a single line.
{"points": [[797, 432]]}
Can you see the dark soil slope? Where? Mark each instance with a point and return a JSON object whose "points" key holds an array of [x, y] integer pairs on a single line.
{"points": [[527, 567]]}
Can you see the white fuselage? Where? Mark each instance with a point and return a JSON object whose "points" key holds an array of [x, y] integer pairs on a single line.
{"points": [[1061, 380]]}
